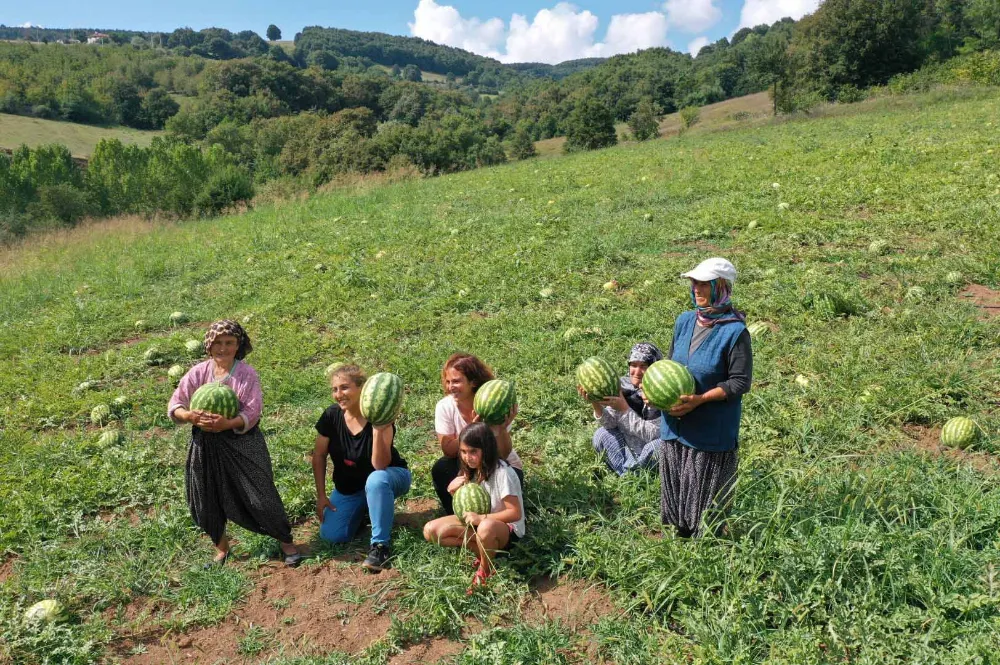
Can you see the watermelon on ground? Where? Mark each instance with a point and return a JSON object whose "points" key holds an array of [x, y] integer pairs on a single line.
{"points": [[153, 356], [177, 318], [665, 381], [959, 432], [758, 329], [194, 347], [111, 438], [100, 414], [470, 498], [216, 398], [45, 611], [597, 378], [382, 398], [494, 400], [176, 373]]}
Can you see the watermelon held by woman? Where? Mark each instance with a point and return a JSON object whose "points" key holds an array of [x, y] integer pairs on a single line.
{"points": [[494, 400], [959, 432], [382, 398], [664, 383], [217, 399], [597, 378], [470, 498]]}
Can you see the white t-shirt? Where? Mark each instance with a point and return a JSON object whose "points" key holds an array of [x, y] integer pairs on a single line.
{"points": [[504, 483], [448, 421]]}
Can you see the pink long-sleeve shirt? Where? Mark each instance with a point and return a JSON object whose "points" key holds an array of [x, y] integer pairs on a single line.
{"points": [[244, 381]]}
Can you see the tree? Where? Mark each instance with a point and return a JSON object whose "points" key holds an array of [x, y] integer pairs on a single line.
{"points": [[273, 33], [157, 107], [322, 59], [412, 73], [590, 126], [521, 146], [769, 58], [644, 121], [125, 103], [984, 20]]}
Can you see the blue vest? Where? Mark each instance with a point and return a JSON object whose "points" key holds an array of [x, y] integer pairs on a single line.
{"points": [[713, 426]]}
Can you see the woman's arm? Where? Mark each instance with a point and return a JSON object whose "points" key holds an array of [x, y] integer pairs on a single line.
{"points": [[502, 434], [320, 451], [739, 367], [449, 444], [382, 445], [511, 512], [632, 423]]}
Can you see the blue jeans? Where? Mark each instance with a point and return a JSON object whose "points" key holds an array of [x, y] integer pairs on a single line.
{"points": [[381, 490]]}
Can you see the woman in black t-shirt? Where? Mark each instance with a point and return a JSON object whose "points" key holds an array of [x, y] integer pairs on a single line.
{"points": [[368, 473]]}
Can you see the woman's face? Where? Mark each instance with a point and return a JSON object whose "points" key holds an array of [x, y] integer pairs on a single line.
{"points": [[346, 393], [636, 370], [471, 457], [702, 293], [456, 385], [224, 348]]}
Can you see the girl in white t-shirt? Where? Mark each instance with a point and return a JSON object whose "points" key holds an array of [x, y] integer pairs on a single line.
{"points": [[504, 524], [461, 377]]}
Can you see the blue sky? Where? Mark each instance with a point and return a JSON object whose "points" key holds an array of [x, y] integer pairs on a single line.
{"points": [[517, 30]]}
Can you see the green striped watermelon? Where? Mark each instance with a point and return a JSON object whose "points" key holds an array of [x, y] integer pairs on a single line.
{"points": [[216, 398], [49, 610], [959, 432], [597, 378], [382, 398], [194, 347], [758, 329], [176, 373], [331, 368], [471, 498], [100, 414], [494, 400], [665, 381], [111, 438]]}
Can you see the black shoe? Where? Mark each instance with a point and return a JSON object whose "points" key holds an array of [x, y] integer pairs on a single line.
{"points": [[378, 558]]}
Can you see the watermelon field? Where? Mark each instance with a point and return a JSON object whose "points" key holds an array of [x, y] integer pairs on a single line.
{"points": [[867, 239]]}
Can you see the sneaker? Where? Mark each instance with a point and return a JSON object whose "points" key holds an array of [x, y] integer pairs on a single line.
{"points": [[378, 558]]}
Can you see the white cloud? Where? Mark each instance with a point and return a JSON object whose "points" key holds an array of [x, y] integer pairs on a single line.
{"points": [[757, 12], [697, 44], [553, 35], [29, 24], [692, 15]]}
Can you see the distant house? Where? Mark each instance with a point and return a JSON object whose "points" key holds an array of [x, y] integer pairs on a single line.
{"points": [[98, 38]]}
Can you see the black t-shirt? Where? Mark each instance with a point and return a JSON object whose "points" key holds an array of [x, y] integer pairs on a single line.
{"points": [[351, 453]]}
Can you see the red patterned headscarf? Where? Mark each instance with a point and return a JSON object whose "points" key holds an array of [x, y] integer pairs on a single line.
{"points": [[227, 327]]}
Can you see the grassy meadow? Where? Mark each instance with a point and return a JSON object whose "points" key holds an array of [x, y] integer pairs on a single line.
{"points": [[17, 130], [852, 538]]}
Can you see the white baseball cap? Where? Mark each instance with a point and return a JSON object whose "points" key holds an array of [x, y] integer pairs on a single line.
{"points": [[713, 268]]}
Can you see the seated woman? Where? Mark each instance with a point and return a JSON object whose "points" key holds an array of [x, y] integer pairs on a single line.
{"points": [[629, 435], [503, 526], [368, 473], [228, 475], [461, 377]]}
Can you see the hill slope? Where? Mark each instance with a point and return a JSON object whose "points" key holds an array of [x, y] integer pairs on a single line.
{"points": [[16, 130], [851, 537]]}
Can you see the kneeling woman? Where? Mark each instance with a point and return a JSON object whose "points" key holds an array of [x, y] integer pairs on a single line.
{"points": [[479, 462], [368, 473], [228, 474]]}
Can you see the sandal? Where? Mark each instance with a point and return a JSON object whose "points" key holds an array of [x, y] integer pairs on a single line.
{"points": [[478, 580], [217, 563], [293, 560]]}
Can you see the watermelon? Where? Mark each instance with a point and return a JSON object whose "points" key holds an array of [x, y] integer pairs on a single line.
{"points": [[597, 378], [177, 318], [194, 347], [758, 329], [87, 385], [470, 498], [878, 247], [331, 368], [382, 398], [176, 373], [111, 438], [140, 325], [120, 403], [45, 611], [216, 398], [959, 432], [955, 278], [665, 381], [494, 400], [828, 304], [153, 356], [100, 414]]}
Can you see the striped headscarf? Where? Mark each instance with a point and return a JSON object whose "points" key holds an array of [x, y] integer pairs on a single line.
{"points": [[721, 309], [227, 327]]}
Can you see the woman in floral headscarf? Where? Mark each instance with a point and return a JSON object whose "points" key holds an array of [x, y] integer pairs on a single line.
{"points": [[698, 457], [228, 474]]}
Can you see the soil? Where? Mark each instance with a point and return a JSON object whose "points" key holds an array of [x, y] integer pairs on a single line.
{"points": [[928, 440], [6, 569], [575, 604], [432, 651], [985, 298]]}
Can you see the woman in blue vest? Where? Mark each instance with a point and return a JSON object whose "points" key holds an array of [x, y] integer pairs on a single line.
{"points": [[698, 458]]}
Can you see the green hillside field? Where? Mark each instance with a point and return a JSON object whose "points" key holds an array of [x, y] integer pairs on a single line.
{"points": [[853, 538], [16, 130]]}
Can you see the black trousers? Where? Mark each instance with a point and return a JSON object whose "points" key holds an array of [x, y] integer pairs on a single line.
{"points": [[444, 471]]}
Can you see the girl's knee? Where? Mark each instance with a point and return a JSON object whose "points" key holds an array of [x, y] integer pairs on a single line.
{"points": [[430, 533], [378, 481]]}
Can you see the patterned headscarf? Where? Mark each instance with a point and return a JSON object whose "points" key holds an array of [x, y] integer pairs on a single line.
{"points": [[643, 352], [721, 310], [227, 327]]}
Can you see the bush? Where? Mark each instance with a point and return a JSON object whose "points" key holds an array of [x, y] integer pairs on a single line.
{"points": [[690, 115], [850, 94], [644, 122], [224, 189], [590, 126], [62, 202]]}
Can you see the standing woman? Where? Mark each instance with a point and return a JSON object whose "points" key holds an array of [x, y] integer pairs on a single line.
{"points": [[228, 474], [698, 459], [461, 377]]}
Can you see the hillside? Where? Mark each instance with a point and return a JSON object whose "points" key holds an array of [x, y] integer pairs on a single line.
{"points": [[16, 130], [853, 537]]}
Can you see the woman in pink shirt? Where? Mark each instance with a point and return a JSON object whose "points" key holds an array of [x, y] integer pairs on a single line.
{"points": [[461, 377], [228, 474]]}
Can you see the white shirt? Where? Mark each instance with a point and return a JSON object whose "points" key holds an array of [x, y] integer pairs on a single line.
{"points": [[448, 421], [504, 483]]}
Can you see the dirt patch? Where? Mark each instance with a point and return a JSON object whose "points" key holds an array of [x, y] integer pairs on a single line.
{"points": [[575, 604], [927, 440], [418, 512], [305, 611], [985, 298], [6, 569], [431, 651]]}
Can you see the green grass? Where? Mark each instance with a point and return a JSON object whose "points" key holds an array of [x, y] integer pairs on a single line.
{"points": [[16, 130], [844, 543]]}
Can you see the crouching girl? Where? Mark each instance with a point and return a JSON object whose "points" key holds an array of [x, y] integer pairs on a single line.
{"points": [[504, 525]]}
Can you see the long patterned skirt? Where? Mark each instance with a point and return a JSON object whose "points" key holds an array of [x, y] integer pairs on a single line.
{"points": [[229, 477], [693, 482]]}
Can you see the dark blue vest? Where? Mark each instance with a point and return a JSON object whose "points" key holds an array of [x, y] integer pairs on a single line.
{"points": [[713, 426]]}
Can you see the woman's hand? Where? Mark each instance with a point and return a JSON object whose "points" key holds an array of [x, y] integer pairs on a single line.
{"points": [[583, 393], [455, 484], [323, 503], [213, 423], [473, 519], [383, 428], [688, 404], [510, 417], [617, 403]]}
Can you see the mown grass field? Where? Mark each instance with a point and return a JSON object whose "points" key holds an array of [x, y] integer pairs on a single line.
{"points": [[852, 539], [16, 130]]}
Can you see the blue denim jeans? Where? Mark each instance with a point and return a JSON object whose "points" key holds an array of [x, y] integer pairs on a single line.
{"points": [[381, 490]]}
